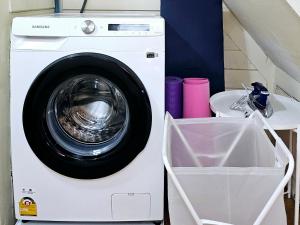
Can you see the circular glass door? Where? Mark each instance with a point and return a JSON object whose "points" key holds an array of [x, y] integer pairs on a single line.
{"points": [[87, 116]]}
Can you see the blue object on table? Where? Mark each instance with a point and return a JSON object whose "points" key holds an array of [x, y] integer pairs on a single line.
{"points": [[258, 99], [194, 40], [257, 87], [259, 95], [261, 101]]}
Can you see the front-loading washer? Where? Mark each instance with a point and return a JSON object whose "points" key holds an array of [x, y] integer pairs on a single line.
{"points": [[87, 110]]}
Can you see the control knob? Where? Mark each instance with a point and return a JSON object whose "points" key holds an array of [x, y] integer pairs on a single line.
{"points": [[88, 27]]}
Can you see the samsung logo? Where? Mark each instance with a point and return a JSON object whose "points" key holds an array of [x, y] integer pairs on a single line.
{"points": [[41, 26]]}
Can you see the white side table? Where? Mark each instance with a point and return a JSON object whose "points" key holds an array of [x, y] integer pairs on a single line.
{"points": [[286, 116]]}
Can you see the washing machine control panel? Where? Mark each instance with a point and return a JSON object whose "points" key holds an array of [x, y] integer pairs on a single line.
{"points": [[94, 26], [88, 27]]}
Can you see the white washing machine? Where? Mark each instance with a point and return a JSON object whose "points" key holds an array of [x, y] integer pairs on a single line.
{"points": [[87, 111]]}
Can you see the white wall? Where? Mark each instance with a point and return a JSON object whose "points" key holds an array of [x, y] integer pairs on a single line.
{"points": [[295, 4], [30, 5], [242, 56], [246, 62], [6, 216], [113, 4]]}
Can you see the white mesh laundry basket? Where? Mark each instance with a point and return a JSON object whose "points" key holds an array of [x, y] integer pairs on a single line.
{"points": [[225, 170]]}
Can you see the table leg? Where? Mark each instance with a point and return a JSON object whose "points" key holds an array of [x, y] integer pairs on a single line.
{"points": [[289, 190], [296, 217]]}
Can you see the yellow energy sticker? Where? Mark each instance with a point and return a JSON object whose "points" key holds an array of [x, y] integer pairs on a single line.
{"points": [[27, 207]]}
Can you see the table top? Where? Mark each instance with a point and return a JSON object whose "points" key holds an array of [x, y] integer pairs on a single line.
{"points": [[286, 114]]}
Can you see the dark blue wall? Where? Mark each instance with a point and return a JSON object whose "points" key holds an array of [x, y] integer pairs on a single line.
{"points": [[194, 40]]}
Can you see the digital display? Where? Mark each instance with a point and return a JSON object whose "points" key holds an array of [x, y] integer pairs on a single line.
{"points": [[128, 27]]}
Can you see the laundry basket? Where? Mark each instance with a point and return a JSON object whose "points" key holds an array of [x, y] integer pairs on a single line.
{"points": [[225, 171]]}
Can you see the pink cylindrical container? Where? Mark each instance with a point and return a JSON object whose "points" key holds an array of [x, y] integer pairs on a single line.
{"points": [[196, 96]]}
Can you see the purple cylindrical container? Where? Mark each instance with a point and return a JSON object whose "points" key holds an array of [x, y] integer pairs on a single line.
{"points": [[173, 96]]}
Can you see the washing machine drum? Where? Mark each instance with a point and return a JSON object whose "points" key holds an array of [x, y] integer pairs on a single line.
{"points": [[87, 116]]}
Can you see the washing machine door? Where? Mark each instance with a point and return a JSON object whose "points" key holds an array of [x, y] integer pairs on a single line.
{"points": [[87, 116]]}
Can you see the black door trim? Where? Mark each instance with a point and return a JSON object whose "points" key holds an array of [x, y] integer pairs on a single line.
{"points": [[62, 161]]}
